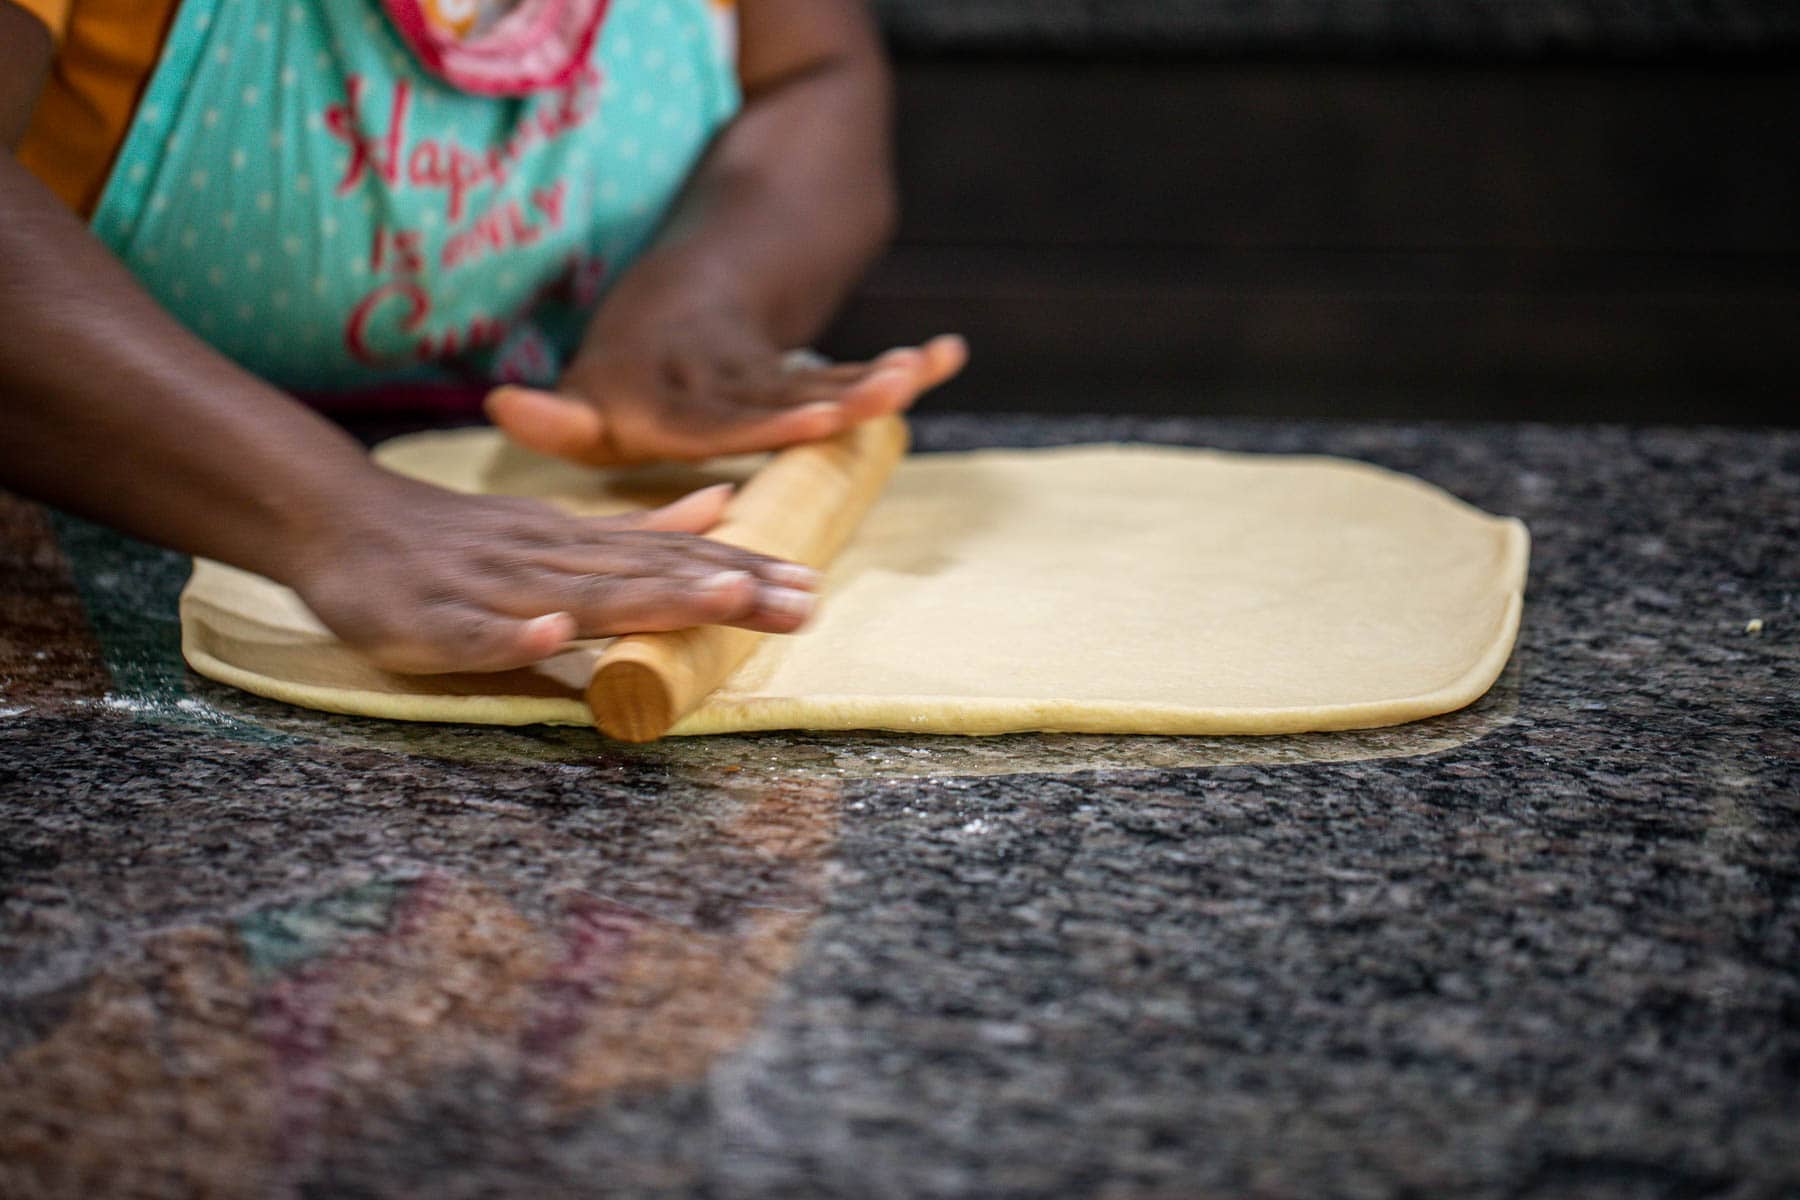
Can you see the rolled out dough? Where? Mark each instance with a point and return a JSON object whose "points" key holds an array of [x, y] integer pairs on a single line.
{"points": [[1106, 589]]}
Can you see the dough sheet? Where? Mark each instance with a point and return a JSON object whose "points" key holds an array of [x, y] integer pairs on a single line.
{"points": [[1105, 589]]}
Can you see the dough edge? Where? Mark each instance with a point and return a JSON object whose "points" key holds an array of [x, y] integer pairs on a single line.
{"points": [[952, 715]]}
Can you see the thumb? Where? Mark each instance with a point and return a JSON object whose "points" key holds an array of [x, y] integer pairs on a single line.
{"points": [[548, 423]]}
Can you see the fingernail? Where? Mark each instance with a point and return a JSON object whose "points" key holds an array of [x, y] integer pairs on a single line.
{"points": [[792, 574], [787, 601], [726, 581], [562, 622]]}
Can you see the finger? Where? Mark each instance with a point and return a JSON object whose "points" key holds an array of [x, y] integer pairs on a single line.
{"points": [[780, 610], [891, 387], [888, 384], [773, 389], [945, 357], [840, 374], [695, 512], [470, 639], [548, 423], [807, 404], [937, 361], [674, 556], [797, 576], [931, 364], [901, 376], [658, 604], [798, 378], [830, 383], [732, 430]]}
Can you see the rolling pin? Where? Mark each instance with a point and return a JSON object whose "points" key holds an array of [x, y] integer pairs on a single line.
{"points": [[803, 506]]}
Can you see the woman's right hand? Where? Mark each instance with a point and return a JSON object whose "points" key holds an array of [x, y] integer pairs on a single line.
{"points": [[115, 412], [424, 581]]}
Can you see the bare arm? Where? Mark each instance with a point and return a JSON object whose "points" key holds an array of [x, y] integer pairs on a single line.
{"points": [[797, 194], [111, 409], [789, 206]]}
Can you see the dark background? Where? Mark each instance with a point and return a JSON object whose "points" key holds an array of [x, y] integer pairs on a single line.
{"points": [[1508, 209]]}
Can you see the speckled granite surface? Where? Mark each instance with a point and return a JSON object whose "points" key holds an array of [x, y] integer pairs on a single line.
{"points": [[1547, 947]]}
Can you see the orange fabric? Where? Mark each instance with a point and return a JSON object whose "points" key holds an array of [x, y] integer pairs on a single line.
{"points": [[105, 53], [54, 13]]}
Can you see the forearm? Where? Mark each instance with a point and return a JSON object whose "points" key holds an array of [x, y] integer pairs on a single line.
{"points": [[110, 409], [791, 202], [685, 358]]}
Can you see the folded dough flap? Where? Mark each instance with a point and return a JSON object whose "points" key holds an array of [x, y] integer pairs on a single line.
{"points": [[803, 506]]}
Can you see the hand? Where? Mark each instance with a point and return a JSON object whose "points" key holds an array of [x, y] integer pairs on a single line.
{"points": [[438, 581], [707, 385]]}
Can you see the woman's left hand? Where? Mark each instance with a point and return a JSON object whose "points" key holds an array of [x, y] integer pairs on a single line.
{"points": [[706, 384]]}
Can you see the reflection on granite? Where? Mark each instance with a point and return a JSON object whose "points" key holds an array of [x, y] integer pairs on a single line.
{"points": [[1548, 947], [283, 1048]]}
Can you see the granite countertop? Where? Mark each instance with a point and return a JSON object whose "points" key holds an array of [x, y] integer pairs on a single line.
{"points": [[1545, 947]]}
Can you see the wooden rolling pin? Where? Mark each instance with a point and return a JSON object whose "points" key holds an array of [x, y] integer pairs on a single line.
{"points": [[803, 506]]}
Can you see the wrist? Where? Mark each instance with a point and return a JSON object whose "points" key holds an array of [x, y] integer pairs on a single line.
{"points": [[668, 290], [291, 492], [321, 523]]}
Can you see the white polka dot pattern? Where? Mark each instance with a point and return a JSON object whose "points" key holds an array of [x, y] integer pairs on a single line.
{"points": [[299, 190]]}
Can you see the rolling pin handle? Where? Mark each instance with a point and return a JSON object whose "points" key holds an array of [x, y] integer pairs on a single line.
{"points": [[801, 507], [631, 702]]}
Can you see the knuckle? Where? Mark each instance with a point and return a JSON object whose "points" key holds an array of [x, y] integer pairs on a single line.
{"points": [[599, 591], [468, 628]]}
